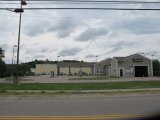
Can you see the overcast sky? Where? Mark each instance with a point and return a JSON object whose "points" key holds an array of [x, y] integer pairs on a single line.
{"points": [[80, 34]]}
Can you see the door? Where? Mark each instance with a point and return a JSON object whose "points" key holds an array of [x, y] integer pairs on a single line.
{"points": [[121, 72], [141, 71]]}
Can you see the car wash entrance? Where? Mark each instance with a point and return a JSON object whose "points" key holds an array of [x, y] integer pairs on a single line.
{"points": [[141, 71]]}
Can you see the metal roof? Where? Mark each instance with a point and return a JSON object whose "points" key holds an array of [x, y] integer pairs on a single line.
{"points": [[75, 64]]}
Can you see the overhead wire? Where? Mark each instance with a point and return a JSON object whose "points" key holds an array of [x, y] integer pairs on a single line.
{"points": [[89, 1], [85, 2], [86, 8]]}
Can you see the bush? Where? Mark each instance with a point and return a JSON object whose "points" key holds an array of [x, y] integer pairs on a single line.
{"points": [[3, 68], [156, 73]]}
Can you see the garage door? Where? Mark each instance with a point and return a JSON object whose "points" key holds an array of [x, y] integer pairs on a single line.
{"points": [[141, 71]]}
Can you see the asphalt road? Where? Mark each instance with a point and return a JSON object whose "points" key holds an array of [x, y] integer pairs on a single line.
{"points": [[73, 106]]}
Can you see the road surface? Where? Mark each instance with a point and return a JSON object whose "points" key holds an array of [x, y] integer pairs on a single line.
{"points": [[79, 106]]}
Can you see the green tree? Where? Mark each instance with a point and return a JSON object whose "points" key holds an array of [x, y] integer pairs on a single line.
{"points": [[24, 69], [1, 53], [156, 68], [3, 66]]}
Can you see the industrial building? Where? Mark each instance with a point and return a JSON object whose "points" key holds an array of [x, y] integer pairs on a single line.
{"points": [[135, 65], [66, 68]]}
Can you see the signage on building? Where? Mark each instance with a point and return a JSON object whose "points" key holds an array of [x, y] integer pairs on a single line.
{"points": [[138, 60]]}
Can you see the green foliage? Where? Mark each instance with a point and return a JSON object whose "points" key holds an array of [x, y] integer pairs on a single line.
{"points": [[32, 64], [3, 68], [11, 70], [1, 53], [156, 68]]}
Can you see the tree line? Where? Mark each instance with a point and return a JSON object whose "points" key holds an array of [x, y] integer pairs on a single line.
{"points": [[156, 67]]}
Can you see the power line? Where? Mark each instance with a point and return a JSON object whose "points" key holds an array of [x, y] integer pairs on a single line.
{"points": [[36, 3], [104, 1], [87, 8]]}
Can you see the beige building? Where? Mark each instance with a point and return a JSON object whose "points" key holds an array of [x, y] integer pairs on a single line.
{"points": [[65, 68], [75, 68], [45, 68]]}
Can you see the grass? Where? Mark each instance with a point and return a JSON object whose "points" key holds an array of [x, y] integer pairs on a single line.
{"points": [[81, 86]]}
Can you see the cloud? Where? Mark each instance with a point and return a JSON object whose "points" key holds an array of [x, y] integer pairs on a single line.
{"points": [[138, 26], [121, 45], [154, 52], [35, 44], [70, 51], [4, 46], [90, 56], [63, 28], [36, 51], [35, 28], [7, 26], [91, 33], [38, 56]]}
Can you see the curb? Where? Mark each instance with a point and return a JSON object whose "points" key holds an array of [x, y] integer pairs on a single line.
{"points": [[84, 91]]}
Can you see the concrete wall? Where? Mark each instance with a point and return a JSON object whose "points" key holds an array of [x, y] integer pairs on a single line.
{"points": [[64, 70], [99, 69], [45, 68], [129, 65], [75, 70], [125, 64], [114, 67]]}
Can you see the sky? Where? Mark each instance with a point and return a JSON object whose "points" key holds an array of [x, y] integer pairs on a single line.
{"points": [[80, 34]]}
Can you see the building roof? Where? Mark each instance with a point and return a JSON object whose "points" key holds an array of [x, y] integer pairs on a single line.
{"points": [[137, 54], [105, 62], [120, 58], [75, 64]]}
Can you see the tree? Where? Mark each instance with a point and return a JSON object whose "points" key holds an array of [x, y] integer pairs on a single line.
{"points": [[1, 53], [156, 68], [3, 68]]}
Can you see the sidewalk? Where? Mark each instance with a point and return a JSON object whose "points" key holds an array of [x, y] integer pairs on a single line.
{"points": [[86, 91], [64, 79]]}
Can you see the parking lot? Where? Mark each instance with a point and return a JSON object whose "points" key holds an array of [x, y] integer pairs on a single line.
{"points": [[65, 79]]}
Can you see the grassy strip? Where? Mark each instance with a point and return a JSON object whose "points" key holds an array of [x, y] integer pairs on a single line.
{"points": [[81, 86]]}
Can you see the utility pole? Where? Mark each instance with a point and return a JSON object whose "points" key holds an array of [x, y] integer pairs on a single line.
{"points": [[23, 2], [13, 54]]}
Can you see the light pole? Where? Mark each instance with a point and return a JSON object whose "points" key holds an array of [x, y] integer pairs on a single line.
{"points": [[57, 58], [23, 2], [96, 58], [152, 64], [94, 67], [143, 54], [13, 54], [152, 57]]}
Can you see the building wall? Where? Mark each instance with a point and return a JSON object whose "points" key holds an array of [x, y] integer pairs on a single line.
{"points": [[64, 70], [125, 66], [129, 65], [87, 70], [114, 67], [76, 70], [99, 69], [45, 68]]}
